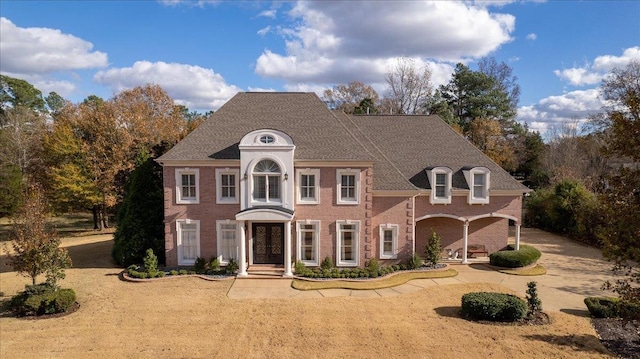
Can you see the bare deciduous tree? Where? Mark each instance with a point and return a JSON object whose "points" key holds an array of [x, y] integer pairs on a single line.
{"points": [[408, 87], [348, 97]]}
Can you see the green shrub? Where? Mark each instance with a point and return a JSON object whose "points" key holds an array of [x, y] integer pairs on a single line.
{"points": [[373, 266], [150, 263], [533, 301], [47, 302], [493, 306], [183, 272], [214, 264], [415, 261], [602, 307], [433, 249], [629, 309], [232, 267], [327, 263], [511, 258], [300, 267], [200, 265], [173, 272]]}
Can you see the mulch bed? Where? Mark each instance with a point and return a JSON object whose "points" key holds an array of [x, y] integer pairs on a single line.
{"points": [[622, 337]]}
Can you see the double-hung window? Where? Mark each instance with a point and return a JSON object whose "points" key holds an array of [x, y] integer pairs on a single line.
{"points": [[478, 179], [308, 181], [308, 238], [440, 179], [388, 241], [348, 186], [348, 243], [226, 239], [266, 182], [187, 183], [227, 185], [188, 241]]}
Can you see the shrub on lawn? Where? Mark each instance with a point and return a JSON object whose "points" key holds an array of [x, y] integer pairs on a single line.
{"points": [[602, 307], [493, 306], [42, 299], [232, 266], [415, 261], [511, 258], [327, 263], [373, 266], [433, 249], [200, 265], [214, 264], [629, 309]]}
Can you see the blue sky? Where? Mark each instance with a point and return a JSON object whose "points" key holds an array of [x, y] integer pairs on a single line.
{"points": [[203, 52]]}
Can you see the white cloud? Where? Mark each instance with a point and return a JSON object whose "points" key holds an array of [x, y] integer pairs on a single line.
{"points": [[532, 36], [199, 3], [261, 89], [268, 13], [555, 110], [264, 31], [332, 41], [36, 50], [192, 86], [593, 73]]}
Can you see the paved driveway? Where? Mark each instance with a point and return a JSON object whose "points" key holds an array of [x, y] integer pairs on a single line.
{"points": [[574, 270]]}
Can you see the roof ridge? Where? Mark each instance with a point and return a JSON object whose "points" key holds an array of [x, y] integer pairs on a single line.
{"points": [[350, 133], [380, 151]]}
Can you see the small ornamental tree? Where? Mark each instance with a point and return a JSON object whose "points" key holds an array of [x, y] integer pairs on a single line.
{"points": [[35, 248], [534, 303], [433, 249]]}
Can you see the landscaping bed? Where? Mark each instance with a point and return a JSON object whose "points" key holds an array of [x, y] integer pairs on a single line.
{"points": [[620, 336]]}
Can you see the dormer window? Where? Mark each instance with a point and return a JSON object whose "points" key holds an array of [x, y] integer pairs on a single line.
{"points": [[440, 179], [266, 182], [267, 139], [478, 180]]}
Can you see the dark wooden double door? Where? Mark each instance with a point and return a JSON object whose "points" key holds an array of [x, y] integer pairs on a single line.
{"points": [[268, 243]]}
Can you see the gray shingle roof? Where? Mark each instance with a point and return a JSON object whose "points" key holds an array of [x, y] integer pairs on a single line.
{"points": [[402, 147]]}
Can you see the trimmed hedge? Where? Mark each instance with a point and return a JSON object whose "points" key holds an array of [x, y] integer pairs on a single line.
{"points": [[47, 302], [497, 307], [610, 307], [511, 258]]}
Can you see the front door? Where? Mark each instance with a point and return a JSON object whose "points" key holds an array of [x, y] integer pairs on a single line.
{"points": [[268, 243]]}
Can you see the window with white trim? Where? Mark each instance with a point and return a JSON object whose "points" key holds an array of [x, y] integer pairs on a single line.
{"points": [[187, 185], [440, 179], [348, 186], [348, 243], [308, 239], [308, 181], [478, 180], [266, 182], [227, 181], [388, 241], [226, 240], [188, 241]]}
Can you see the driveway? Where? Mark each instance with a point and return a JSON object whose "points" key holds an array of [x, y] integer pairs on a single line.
{"points": [[574, 271]]}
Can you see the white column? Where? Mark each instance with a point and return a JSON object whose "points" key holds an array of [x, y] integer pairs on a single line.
{"points": [[242, 261], [465, 242], [287, 249], [517, 236]]}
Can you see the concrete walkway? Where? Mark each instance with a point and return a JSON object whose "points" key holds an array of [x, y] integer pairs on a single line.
{"points": [[574, 271]]}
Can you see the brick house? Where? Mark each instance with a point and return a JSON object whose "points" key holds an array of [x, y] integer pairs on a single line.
{"points": [[272, 178]]}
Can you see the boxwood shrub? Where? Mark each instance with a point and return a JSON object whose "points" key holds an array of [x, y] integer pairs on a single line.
{"points": [[510, 258], [602, 307], [47, 302], [499, 307]]}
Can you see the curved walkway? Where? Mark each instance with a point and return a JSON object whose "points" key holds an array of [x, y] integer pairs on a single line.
{"points": [[574, 271]]}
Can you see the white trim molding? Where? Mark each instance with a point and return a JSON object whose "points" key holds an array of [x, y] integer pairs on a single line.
{"points": [[190, 198], [315, 187], [302, 228], [355, 186], [391, 229], [440, 181], [353, 228], [479, 182], [220, 192], [181, 230]]}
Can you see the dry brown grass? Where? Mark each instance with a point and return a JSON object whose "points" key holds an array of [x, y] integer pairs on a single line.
{"points": [[193, 318], [533, 271]]}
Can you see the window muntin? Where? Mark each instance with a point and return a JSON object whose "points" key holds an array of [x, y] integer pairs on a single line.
{"points": [[308, 233], [308, 182], [348, 247], [267, 139], [348, 186], [227, 246], [440, 180], [479, 180], [441, 185], [188, 241], [479, 185], [388, 241], [187, 186], [227, 185], [266, 182]]}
